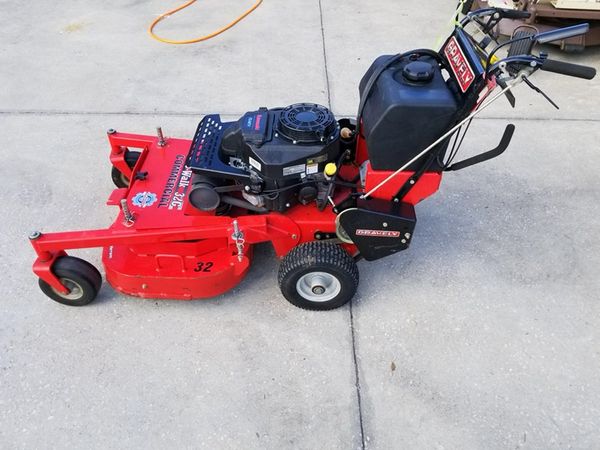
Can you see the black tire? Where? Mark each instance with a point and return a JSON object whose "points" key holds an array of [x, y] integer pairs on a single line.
{"points": [[82, 278], [318, 276], [118, 178]]}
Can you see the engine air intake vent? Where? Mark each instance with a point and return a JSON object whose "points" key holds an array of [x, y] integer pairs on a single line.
{"points": [[307, 123]]}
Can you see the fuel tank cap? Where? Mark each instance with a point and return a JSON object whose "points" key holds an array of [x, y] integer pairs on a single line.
{"points": [[418, 71]]}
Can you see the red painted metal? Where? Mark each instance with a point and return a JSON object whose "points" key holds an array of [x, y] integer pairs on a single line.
{"points": [[427, 185], [362, 153], [177, 270], [166, 251], [173, 251], [42, 267]]}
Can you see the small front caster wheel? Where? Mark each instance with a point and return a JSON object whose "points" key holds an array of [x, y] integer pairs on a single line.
{"points": [[81, 278], [121, 180], [318, 276]]}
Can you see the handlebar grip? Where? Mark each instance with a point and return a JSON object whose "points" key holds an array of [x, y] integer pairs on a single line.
{"points": [[466, 6], [573, 70], [515, 14]]}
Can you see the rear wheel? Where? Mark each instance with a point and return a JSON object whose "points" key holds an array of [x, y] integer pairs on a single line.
{"points": [[119, 179], [318, 276], [80, 277]]}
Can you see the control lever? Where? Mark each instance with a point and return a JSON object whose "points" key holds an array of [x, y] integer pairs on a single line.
{"points": [[539, 91], [502, 146], [509, 95], [495, 15]]}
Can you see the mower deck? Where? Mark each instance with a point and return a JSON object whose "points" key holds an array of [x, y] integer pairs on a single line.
{"points": [[161, 247]]}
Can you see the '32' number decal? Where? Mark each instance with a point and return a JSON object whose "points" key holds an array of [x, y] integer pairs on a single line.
{"points": [[203, 267]]}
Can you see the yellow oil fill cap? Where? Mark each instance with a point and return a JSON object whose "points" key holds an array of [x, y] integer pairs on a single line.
{"points": [[330, 169]]}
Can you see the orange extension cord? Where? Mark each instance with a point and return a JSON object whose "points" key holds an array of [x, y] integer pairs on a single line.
{"points": [[200, 39]]}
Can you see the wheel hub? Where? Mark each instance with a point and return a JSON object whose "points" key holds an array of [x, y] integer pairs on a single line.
{"points": [[318, 286], [75, 289], [318, 290]]}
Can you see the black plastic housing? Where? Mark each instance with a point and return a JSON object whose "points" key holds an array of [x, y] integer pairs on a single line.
{"points": [[379, 228], [277, 154], [269, 145], [406, 111]]}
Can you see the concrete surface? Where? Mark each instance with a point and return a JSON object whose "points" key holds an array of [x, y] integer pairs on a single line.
{"points": [[483, 335]]}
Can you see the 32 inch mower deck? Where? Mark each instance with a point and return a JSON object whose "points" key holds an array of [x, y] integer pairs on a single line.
{"points": [[154, 249], [323, 192]]}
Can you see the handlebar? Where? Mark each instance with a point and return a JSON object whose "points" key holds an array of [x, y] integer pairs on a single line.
{"points": [[564, 68], [515, 14], [562, 33], [497, 14], [519, 56]]}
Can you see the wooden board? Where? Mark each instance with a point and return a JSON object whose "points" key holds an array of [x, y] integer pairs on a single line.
{"points": [[577, 4]]}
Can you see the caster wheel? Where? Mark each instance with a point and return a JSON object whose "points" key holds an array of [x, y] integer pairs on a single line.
{"points": [[81, 278], [318, 276], [119, 179]]}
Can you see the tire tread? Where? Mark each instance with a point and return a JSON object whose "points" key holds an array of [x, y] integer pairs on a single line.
{"points": [[314, 253]]}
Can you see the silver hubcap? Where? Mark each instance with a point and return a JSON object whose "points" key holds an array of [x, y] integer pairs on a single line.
{"points": [[75, 289], [318, 286]]}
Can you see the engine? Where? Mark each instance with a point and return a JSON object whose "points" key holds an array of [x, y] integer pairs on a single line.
{"points": [[274, 157]]}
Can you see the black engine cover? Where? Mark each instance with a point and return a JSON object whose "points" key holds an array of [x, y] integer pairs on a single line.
{"points": [[284, 143], [271, 152]]}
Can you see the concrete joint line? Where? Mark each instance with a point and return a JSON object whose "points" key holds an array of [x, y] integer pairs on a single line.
{"points": [[357, 380], [325, 57]]}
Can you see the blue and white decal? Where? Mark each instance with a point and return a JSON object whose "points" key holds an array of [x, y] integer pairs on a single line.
{"points": [[144, 199]]}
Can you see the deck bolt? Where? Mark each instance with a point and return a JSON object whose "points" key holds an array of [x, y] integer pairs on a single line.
{"points": [[161, 137], [111, 131], [294, 236], [403, 241], [396, 200], [385, 224], [412, 181], [34, 235], [144, 286], [128, 217], [407, 235], [318, 236]]}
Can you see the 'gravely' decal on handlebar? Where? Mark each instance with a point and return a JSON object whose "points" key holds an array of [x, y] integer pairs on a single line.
{"points": [[461, 68]]}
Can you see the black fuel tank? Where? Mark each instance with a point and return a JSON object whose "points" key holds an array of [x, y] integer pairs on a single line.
{"points": [[408, 108]]}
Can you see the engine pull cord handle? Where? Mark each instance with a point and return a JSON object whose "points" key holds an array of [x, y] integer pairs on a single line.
{"points": [[444, 136]]}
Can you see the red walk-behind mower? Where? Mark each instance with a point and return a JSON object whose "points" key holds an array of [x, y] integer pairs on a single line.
{"points": [[323, 192]]}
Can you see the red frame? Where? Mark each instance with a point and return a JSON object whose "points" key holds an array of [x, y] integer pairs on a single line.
{"points": [[160, 253], [163, 232], [425, 186]]}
